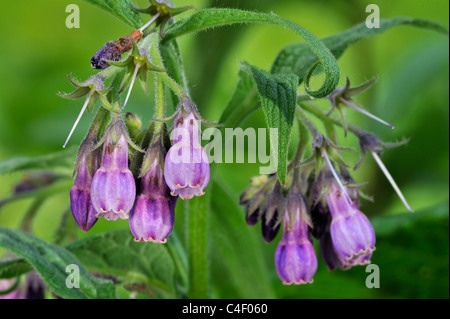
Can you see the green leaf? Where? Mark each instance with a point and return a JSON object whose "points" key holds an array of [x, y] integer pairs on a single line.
{"points": [[388, 225], [121, 9], [51, 262], [298, 58], [238, 259], [412, 253], [278, 94], [243, 102], [173, 62], [61, 159], [210, 18], [115, 253], [13, 268]]}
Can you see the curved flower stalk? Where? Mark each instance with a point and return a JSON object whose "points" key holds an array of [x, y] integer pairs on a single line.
{"points": [[113, 188]]}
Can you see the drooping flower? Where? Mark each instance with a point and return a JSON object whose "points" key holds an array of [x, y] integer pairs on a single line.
{"points": [[352, 234], [113, 188], [153, 215], [253, 199], [186, 168], [270, 219], [295, 259], [80, 194]]}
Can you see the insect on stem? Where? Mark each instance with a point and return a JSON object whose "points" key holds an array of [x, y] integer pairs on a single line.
{"points": [[353, 106], [79, 116], [391, 180]]}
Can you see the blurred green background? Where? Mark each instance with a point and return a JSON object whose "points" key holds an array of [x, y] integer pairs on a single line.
{"points": [[38, 52]]}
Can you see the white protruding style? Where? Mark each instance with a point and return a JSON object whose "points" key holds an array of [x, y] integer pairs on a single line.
{"points": [[391, 180], [79, 117], [353, 106]]}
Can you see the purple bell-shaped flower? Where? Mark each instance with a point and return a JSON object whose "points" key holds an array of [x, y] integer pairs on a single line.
{"points": [[80, 194], [153, 214], [186, 168], [113, 188], [352, 234], [295, 259]]}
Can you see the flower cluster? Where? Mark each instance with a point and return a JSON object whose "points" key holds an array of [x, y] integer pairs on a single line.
{"points": [[105, 186], [122, 170], [318, 201], [345, 234]]}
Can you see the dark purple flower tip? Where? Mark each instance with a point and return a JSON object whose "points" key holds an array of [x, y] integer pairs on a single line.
{"points": [[321, 219], [253, 217], [328, 253], [295, 259], [80, 197], [351, 232], [186, 167], [270, 227], [113, 188]]}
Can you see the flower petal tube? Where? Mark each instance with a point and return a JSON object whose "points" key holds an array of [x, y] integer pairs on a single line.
{"points": [[352, 234], [113, 188], [295, 259], [80, 196], [186, 168], [153, 215]]}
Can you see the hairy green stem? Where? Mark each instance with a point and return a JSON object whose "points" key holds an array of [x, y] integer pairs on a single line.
{"points": [[157, 60], [303, 143], [307, 122], [198, 233]]}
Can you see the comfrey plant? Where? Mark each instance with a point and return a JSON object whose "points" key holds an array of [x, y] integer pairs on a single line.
{"points": [[318, 201], [154, 174]]}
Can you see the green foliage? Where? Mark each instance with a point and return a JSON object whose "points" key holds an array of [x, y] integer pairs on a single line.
{"points": [[278, 94], [13, 267], [237, 250], [243, 102], [60, 159], [298, 58], [121, 9], [209, 18], [412, 249], [115, 253], [51, 262]]}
